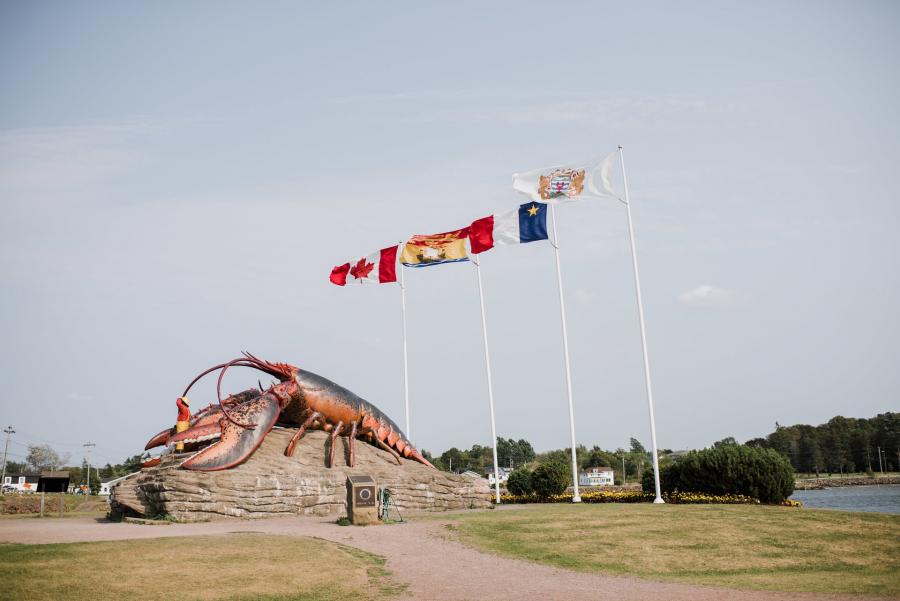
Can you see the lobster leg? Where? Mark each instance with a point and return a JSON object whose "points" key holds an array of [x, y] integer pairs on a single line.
{"points": [[334, 435], [289, 450], [352, 438], [387, 448]]}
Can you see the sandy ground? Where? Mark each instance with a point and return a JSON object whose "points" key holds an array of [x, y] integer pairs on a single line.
{"points": [[422, 554]]}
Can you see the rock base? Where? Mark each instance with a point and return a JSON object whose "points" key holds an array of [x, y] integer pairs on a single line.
{"points": [[269, 484]]}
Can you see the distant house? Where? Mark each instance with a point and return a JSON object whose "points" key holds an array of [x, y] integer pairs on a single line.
{"points": [[106, 487], [21, 482], [677, 454], [596, 476], [503, 472], [470, 474]]}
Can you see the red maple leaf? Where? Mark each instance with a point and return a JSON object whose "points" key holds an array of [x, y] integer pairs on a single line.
{"points": [[362, 269]]}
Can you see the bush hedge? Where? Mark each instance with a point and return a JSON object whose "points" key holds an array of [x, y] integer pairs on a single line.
{"points": [[754, 472], [636, 496], [549, 479], [519, 482]]}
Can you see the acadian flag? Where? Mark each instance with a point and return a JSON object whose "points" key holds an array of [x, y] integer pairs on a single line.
{"points": [[528, 223], [379, 267], [567, 182], [434, 249]]}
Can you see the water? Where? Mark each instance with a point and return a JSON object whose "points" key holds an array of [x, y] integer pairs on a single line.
{"points": [[878, 499]]}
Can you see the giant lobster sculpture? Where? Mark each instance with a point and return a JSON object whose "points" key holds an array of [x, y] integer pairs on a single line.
{"points": [[239, 423]]}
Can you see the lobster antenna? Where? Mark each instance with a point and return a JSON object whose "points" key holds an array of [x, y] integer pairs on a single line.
{"points": [[282, 371], [238, 361]]}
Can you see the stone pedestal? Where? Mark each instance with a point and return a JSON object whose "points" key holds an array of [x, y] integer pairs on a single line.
{"points": [[270, 484]]}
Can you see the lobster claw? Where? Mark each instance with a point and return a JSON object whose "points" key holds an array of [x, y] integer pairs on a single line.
{"points": [[161, 439], [236, 443]]}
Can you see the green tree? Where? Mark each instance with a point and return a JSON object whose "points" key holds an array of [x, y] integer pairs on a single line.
{"points": [[763, 474], [452, 458], [131, 465], [15, 467], [597, 457], [550, 479], [514, 452], [636, 446], [810, 452], [519, 482]]}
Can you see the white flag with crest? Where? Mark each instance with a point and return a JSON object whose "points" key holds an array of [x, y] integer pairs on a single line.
{"points": [[566, 183]]}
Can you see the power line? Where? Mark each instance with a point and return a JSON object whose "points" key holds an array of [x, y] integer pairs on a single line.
{"points": [[9, 432], [61, 444], [88, 446]]}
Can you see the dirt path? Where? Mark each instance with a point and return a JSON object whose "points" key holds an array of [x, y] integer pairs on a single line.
{"points": [[420, 553]]}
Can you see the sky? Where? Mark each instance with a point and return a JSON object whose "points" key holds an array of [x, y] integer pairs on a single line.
{"points": [[177, 180]]}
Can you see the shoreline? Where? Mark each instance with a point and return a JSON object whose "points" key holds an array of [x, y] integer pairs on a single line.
{"points": [[822, 483]]}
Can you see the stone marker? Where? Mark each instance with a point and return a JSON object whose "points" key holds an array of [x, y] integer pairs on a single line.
{"points": [[362, 506]]}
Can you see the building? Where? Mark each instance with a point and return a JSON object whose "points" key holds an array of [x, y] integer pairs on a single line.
{"points": [[20, 482], [596, 476], [503, 472], [106, 487]]}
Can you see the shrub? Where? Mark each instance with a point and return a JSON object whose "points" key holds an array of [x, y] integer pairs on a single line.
{"points": [[762, 474], [549, 479], [636, 496], [519, 482], [25, 503]]}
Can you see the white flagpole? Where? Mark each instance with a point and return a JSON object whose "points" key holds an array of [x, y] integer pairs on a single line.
{"points": [[405, 359], [487, 362], [637, 289], [576, 497]]}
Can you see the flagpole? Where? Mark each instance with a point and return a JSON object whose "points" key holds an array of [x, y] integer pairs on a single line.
{"points": [[640, 304], [576, 497], [405, 356], [487, 362]]}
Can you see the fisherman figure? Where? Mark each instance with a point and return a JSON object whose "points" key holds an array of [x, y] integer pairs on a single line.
{"points": [[184, 419]]}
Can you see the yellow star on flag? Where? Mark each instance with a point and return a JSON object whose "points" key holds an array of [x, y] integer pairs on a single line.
{"points": [[533, 211]]}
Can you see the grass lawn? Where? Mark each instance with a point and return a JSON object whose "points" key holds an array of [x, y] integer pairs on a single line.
{"points": [[760, 547], [233, 566]]}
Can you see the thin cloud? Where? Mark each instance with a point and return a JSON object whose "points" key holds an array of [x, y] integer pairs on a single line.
{"points": [[583, 296], [706, 295], [56, 162]]}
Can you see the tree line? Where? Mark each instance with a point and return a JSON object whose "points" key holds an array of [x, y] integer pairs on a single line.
{"points": [[43, 458], [843, 444], [515, 453]]}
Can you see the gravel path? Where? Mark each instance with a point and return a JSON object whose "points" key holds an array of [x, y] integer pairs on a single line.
{"points": [[420, 553]]}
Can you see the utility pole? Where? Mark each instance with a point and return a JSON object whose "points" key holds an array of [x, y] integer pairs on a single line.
{"points": [[9, 431], [87, 447], [623, 469]]}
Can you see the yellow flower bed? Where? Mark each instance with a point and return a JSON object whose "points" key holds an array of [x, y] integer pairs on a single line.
{"points": [[636, 496]]}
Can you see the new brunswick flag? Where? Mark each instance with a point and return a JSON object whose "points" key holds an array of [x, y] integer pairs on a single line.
{"points": [[434, 249]]}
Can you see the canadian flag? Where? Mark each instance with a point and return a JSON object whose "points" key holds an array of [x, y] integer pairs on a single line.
{"points": [[379, 267]]}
